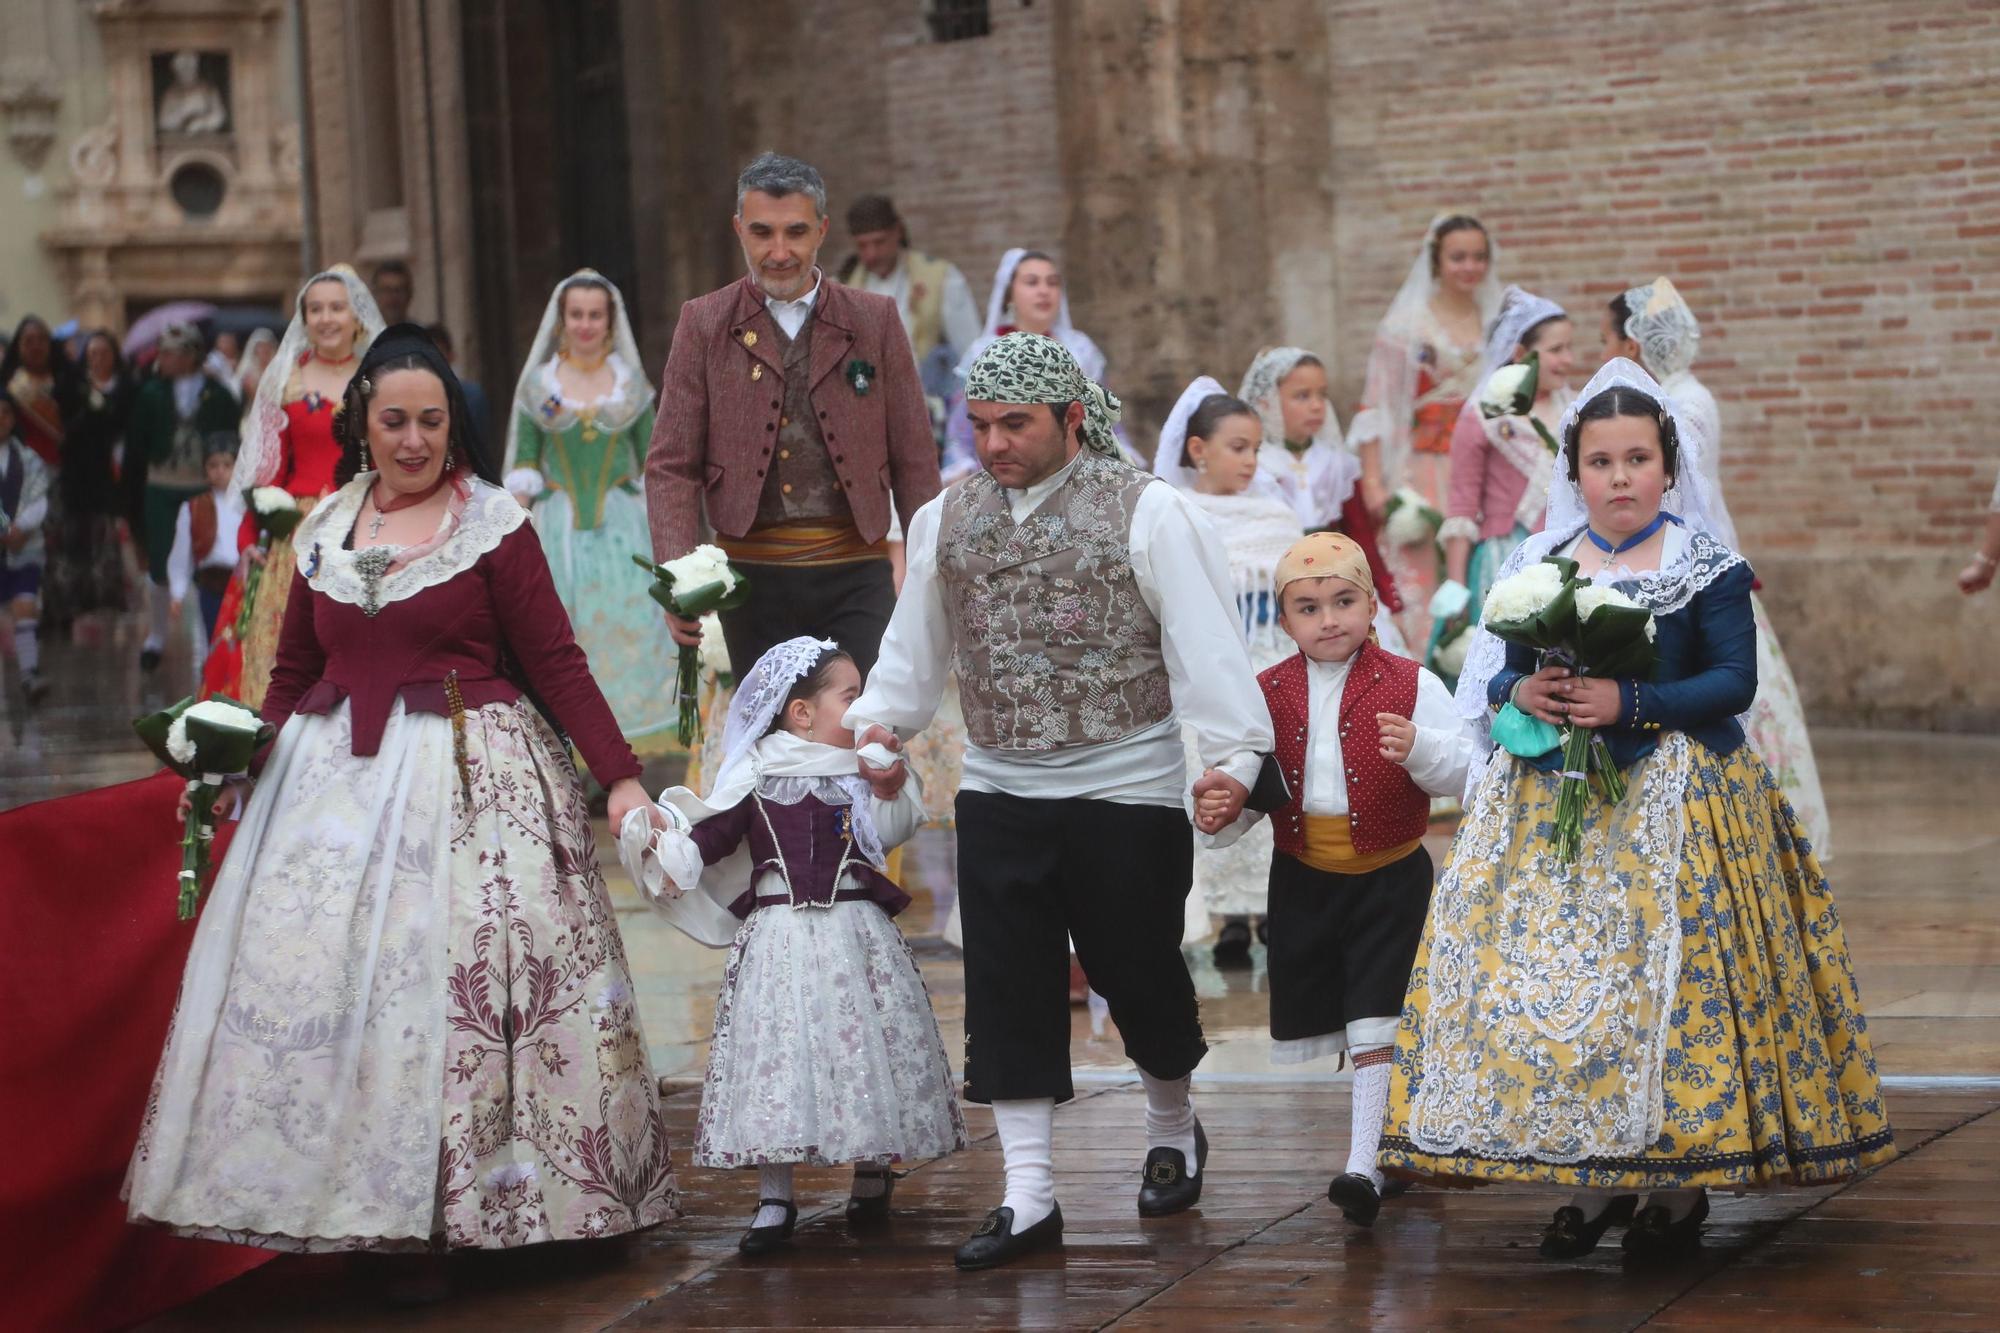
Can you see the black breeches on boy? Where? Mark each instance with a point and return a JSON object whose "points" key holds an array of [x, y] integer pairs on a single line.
{"points": [[1342, 946], [1033, 875]]}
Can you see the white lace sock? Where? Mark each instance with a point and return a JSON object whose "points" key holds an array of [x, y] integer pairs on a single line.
{"points": [[774, 1181], [27, 647], [1026, 1128], [1170, 1116], [1371, 1099], [158, 622]]}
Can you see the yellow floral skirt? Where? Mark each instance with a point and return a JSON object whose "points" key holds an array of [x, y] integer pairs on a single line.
{"points": [[1675, 1008]]}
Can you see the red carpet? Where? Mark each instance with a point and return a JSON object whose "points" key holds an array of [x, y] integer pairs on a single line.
{"points": [[94, 961]]}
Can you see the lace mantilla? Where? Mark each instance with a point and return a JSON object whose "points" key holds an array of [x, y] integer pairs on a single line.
{"points": [[1552, 983], [475, 522], [761, 693]]}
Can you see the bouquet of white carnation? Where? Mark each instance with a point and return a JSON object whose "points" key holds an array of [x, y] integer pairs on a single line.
{"points": [[715, 650], [1592, 631], [275, 513], [207, 743], [1410, 519], [1510, 392], [700, 582]]}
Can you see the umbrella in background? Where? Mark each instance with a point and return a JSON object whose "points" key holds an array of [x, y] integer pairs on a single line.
{"points": [[146, 329]]}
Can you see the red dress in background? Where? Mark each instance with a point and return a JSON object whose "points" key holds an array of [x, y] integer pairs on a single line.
{"points": [[308, 454]]}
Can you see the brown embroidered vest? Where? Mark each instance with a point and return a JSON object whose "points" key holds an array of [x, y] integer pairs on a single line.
{"points": [[802, 486], [1054, 644]]}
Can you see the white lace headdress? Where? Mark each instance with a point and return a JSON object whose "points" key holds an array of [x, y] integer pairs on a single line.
{"points": [[630, 393], [1331, 469], [1665, 328], [1664, 591], [1088, 358], [1167, 465], [1520, 310], [258, 454], [1390, 389]]}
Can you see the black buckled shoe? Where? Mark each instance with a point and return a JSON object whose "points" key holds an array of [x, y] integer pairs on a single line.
{"points": [[1357, 1197], [995, 1243], [1655, 1235], [1165, 1186], [872, 1211], [1571, 1235], [1232, 943], [763, 1240]]}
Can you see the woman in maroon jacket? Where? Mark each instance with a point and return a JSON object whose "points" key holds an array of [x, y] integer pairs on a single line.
{"points": [[406, 1020]]}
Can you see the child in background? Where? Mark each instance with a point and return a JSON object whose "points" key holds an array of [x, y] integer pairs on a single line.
{"points": [[204, 550], [24, 505]]}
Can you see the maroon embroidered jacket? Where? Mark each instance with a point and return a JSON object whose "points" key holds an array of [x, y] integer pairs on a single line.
{"points": [[330, 650], [1385, 808], [722, 400]]}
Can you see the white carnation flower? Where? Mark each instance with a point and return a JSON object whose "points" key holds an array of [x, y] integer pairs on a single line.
{"points": [[1408, 526], [1523, 594], [218, 712], [1593, 595], [714, 648], [1450, 658], [272, 499], [1503, 390], [178, 744], [700, 567]]}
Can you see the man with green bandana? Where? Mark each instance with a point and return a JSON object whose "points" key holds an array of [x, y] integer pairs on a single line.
{"points": [[1088, 613]]}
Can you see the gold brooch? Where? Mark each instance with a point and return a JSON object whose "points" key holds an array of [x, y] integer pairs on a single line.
{"points": [[757, 371], [750, 338]]}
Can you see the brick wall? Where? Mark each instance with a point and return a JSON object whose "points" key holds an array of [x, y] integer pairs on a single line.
{"points": [[1822, 181]]}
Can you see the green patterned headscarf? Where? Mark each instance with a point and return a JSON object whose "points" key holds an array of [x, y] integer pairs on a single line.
{"points": [[1028, 368]]}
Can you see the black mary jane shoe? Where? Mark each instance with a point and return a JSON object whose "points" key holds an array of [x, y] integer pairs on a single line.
{"points": [[763, 1240], [1655, 1235], [1571, 1235], [1357, 1197], [1232, 943], [1165, 1187], [872, 1211], [995, 1243]]}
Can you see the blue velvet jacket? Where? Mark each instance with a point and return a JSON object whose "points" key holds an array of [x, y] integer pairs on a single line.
{"points": [[1706, 672]]}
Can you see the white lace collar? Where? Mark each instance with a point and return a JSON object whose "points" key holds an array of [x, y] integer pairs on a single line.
{"points": [[374, 577], [616, 410]]}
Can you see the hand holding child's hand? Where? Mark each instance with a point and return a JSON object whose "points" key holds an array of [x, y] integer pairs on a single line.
{"points": [[1399, 737], [885, 783], [1218, 800]]}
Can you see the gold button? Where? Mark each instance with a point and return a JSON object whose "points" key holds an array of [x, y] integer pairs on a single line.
{"points": [[784, 421], [788, 488], [784, 453]]}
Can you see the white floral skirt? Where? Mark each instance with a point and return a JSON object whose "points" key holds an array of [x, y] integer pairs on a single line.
{"points": [[1777, 728], [406, 1019], [825, 1048]]}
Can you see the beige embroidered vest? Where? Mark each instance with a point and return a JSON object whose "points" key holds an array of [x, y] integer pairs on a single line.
{"points": [[1054, 644]]}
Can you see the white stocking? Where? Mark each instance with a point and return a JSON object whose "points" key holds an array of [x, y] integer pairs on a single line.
{"points": [[774, 1181], [1026, 1128], [1170, 1116]]}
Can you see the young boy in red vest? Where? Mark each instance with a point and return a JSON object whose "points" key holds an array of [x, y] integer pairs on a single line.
{"points": [[1364, 738]]}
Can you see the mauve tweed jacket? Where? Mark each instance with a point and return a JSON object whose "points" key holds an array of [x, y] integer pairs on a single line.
{"points": [[718, 416]]}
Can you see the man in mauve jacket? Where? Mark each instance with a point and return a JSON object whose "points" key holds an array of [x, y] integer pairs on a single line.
{"points": [[791, 418]]}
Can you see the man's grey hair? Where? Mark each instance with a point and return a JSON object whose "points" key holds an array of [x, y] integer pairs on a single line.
{"points": [[777, 175]]}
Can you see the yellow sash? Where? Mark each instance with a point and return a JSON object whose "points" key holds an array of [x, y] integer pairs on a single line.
{"points": [[1330, 848], [803, 544]]}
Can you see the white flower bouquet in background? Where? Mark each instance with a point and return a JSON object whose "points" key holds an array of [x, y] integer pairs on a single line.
{"points": [[1510, 392], [208, 743], [1590, 630], [693, 586], [275, 513]]}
